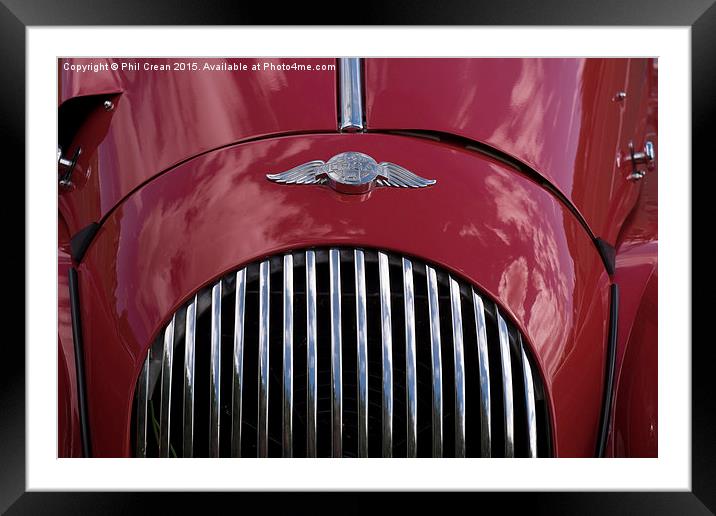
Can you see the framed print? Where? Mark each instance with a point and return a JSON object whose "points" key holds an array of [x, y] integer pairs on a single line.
{"points": [[423, 265]]}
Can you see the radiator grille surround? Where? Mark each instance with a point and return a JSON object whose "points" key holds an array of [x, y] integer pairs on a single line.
{"points": [[340, 352]]}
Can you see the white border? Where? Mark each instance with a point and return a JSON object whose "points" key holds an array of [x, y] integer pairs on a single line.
{"points": [[670, 471]]}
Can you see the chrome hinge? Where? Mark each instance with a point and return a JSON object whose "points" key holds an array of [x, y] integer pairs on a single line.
{"points": [[644, 157], [66, 166]]}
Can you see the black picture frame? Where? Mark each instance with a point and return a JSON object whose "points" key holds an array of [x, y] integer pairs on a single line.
{"points": [[17, 15]]}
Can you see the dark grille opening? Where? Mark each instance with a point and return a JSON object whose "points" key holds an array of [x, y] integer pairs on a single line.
{"points": [[249, 406], [525, 408], [400, 408], [300, 360], [349, 355], [200, 442], [544, 437], [227, 351], [275, 405], [518, 388], [424, 370], [448, 365]]}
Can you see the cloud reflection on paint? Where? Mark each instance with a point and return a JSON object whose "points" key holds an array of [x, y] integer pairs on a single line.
{"points": [[539, 296], [183, 215]]}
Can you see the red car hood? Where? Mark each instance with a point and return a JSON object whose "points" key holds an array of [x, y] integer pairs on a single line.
{"points": [[163, 117], [561, 117], [557, 116]]}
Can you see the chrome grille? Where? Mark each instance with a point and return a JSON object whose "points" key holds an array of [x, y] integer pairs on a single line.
{"points": [[339, 352]]}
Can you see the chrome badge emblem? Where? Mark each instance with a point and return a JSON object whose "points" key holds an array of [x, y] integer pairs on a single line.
{"points": [[351, 173]]}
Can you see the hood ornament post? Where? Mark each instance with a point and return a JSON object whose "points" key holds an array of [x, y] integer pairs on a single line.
{"points": [[351, 173]]}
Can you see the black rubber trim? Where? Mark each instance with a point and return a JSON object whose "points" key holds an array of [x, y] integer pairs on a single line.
{"points": [[79, 361], [609, 372], [608, 254], [81, 241]]}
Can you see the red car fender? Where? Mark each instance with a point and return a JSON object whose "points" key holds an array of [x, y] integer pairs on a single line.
{"points": [[562, 117], [68, 422], [634, 430], [486, 221]]}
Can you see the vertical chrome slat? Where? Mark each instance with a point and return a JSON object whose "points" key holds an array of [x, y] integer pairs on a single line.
{"points": [[167, 360], [459, 359], [143, 423], [189, 343], [288, 355], [311, 336], [411, 383], [362, 341], [336, 358], [484, 367], [264, 313], [351, 95], [142, 406], [215, 371], [238, 363], [506, 385], [436, 362], [530, 398], [387, 338]]}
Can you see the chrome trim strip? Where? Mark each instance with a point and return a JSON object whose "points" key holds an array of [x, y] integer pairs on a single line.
{"points": [[142, 408], [288, 355], [238, 363], [459, 360], [387, 338], [436, 362], [362, 351], [311, 337], [167, 360], [411, 383], [189, 345], [215, 371], [506, 385], [530, 397], [264, 313], [336, 368], [351, 95], [484, 368]]}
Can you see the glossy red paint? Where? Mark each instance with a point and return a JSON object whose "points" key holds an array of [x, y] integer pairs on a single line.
{"points": [[161, 118], [634, 430], [642, 225], [482, 220], [68, 425], [636, 410], [559, 116]]}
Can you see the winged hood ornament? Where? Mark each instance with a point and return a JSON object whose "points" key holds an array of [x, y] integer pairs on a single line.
{"points": [[351, 173]]}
